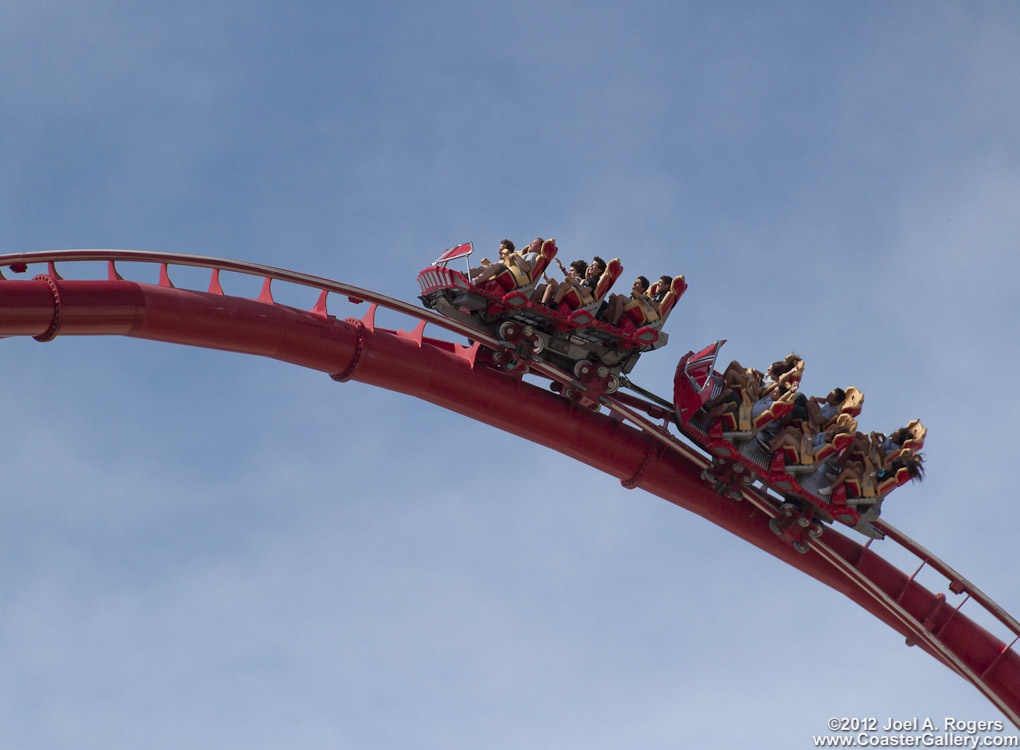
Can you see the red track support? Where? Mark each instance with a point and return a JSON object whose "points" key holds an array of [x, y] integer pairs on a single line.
{"points": [[448, 375]]}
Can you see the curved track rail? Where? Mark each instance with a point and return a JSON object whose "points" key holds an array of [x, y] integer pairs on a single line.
{"points": [[631, 441]]}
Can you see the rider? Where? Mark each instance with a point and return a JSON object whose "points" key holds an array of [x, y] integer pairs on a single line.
{"points": [[658, 292], [612, 311], [582, 277], [854, 471], [507, 256]]}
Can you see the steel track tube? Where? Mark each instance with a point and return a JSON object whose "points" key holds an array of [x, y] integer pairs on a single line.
{"points": [[447, 375]]}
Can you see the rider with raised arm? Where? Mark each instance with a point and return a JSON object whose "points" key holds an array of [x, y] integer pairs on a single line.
{"points": [[821, 411], [573, 278], [783, 372], [580, 276], [508, 256]]}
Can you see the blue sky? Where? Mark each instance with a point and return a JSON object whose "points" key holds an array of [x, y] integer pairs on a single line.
{"points": [[208, 550]]}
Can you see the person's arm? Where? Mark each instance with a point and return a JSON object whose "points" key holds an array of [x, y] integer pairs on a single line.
{"points": [[519, 260]]}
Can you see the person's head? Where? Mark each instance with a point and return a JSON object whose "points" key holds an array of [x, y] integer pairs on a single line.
{"points": [[783, 366], [536, 245], [901, 436], [640, 285], [506, 245], [836, 396], [579, 267], [662, 284], [597, 267]]}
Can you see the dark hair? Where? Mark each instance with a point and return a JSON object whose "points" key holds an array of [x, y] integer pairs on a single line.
{"points": [[840, 394], [644, 283], [912, 462], [580, 266], [666, 279], [602, 263], [784, 365], [509, 245], [901, 436]]}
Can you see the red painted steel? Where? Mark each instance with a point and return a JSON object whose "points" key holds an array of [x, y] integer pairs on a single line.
{"points": [[447, 375]]}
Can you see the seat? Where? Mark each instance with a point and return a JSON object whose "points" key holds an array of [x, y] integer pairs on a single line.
{"points": [[918, 432], [614, 269], [636, 313], [914, 443], [899, 479], [739, 421], [869, 487], [792, 456], [545, 257], [853, 402], [780, 408], [805, 457], [842, 439], [742, 422], [676, 291], [855, 491]]}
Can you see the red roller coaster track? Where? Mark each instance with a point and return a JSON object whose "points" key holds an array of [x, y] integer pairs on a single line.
{"points": [[628, 438]]}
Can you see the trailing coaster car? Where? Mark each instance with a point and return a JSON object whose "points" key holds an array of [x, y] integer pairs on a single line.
{"points": [[801, 473], [569, 337]]}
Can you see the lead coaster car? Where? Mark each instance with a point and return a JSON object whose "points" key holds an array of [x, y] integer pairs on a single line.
{"points": [[567, 337]]}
